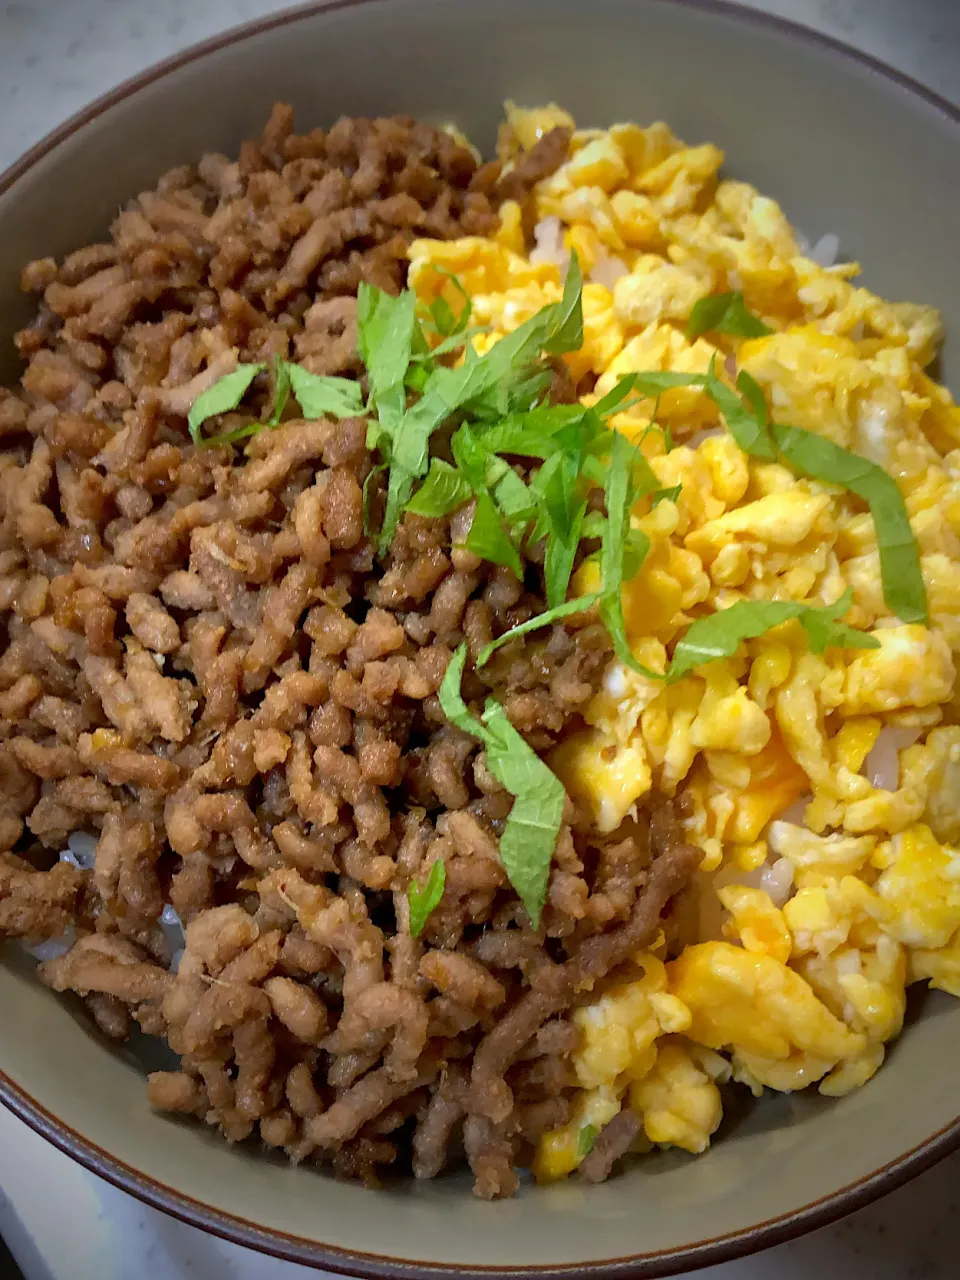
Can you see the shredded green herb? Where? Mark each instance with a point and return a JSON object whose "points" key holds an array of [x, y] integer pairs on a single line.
{"points": [[444, 489], [281, 390], [489, 384], [563, 507], [725, 313], [494, 404], [900, 572], [579, 604], [440, 315], [324, 397], [747, 427], [494, 416], [585, 1140], [530, 832], [671, 494], [385, 339], [620, 492], [424, 898], [752, 393], [665, 433], [720, 634], [616, 398], [488, 539], [318, 398], [224, 396], [817, 458]]}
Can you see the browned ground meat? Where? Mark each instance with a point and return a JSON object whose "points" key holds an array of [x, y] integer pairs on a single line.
{"points": [[206, 668], [614, 1140], [534, 165]]}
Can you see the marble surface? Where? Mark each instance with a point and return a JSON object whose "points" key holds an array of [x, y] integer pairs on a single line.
{"points": [[55, 55]]}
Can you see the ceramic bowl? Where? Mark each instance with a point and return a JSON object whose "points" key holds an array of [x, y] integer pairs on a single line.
{"points": [[846, 146]]}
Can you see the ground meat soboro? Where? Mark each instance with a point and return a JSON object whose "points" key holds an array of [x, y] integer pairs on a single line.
{"points": [[206, 668]]}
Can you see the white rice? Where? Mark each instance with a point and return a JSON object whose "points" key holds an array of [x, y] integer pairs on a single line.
{"points": [[824, 252], [548, 243], [882, 766], [776, 879], [51, 948], [608, 271], [698, 437], [548, 236], [81, 850], [872, 432], [172, 927]]}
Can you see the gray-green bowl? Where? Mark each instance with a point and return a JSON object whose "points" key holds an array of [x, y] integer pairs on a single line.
{"points": [[846, 146]]}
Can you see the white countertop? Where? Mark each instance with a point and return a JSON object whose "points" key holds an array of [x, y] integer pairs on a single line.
{"points": [[55, 55]]}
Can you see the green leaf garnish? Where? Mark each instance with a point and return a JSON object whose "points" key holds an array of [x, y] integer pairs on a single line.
{"points": [[721, 634], [488, 539], [441, 314], [224, 396], [743, 421], [530, 832], [746, 418], [635, 551], [725, 313], [511, 494], [566, 332], [487, 473], [423, 899], [620, 493], [496, 399], [281, 390], [444, 489], [324, 397], [585, 1140], [817, 458], [578, 605], [820, 459], [482, 383], [673, 493], [318, 398], [752, 393], [562, 546], [594, 523], [614, 400], [385, 338], [443, 318], [562, 510], [546, 431], [825, 630], [417, 374]]}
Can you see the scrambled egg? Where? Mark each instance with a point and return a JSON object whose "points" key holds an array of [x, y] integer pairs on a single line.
{"points": [[823, 790]]}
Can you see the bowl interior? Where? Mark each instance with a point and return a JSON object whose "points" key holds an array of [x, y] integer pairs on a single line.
{"points": [[845, 149]]}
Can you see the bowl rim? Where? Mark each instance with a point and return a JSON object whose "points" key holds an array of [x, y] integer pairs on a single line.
{"points": [[299, 1249]]}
